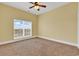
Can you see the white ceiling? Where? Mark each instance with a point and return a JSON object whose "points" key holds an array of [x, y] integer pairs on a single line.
{"points": [[25, 6]]}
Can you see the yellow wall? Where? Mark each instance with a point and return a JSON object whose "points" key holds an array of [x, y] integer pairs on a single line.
{"points": [[7, 14], [60, 23]]}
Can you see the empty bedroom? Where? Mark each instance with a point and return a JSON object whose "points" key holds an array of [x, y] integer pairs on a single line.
{"points": [[39, 29]]}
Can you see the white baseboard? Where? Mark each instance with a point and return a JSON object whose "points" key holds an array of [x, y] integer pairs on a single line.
{"points": [[58, 41], [15, 40]]}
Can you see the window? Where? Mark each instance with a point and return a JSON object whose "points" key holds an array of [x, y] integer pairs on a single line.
{"points": [[22, 28]]}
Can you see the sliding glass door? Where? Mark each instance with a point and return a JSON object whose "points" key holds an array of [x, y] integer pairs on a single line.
{"points": [[22, 28]]}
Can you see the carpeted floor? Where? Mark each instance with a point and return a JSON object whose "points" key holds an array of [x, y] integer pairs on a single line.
{"points": [[38, 47]]}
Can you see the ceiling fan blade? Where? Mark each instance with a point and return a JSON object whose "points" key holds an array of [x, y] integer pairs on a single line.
{"points": [[36, 2], [31, 2], [43, 6], [31, 7]]}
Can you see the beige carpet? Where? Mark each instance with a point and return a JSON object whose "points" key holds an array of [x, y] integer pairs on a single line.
{"points": [[38, 47]]}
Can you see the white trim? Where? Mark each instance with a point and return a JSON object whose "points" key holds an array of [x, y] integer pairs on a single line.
{"points": [[78, 26], [22, 37], [15, 40], [48, 38]]}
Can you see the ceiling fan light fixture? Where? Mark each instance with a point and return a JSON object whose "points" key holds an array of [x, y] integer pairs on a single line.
{"points": [[36, 7]]}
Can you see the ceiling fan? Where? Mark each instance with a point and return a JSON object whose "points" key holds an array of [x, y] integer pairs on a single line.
{"points": [[37, 5]]}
